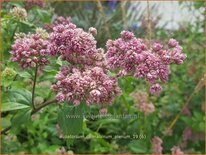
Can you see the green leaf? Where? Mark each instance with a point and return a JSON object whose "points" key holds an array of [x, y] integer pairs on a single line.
{"points": [[198, 116], [44, 15], [59, 61], [27, 23], [138, 146], [17, 4], [5, 122], [25, 26], [70, 119], [50, 69], [21, 118], [16, 99], [25, 74], [6, 82], [8, 106], [202, 126], [198, 5], [187, 120]]}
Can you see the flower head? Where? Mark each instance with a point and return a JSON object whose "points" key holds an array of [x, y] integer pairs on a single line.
{"points": [[157, 145], [176, 150], [92, 85], [30, 50], [173, 43], [42, 32], [103, 111], [155, 88], [93, 31], [8, 73], [57, 21], [141, 100], [19, 13], [130, 56], [75, 46], [157, 46]]}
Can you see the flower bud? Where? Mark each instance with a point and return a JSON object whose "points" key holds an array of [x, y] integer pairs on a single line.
{"points": [[172, 43], [8, 73], [155, 88], [103, 111], [19, 13], [93, 31]]}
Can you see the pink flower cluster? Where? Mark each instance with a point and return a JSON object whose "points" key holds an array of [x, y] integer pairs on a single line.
{"points": [[176, 150], [75, 45], [157, 145], [131, 56], [91, 85], [29, 4], [189, 134], [58, 20], [30, 50], [141, 100], [86, 80]]}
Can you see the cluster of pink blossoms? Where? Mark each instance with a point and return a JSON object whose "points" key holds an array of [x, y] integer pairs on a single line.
{"points": [[176, 150], [131, 56], [157, 145], [75, 45], [141, 100], [87, 79], [92, 85], [58, 20], [30, 50]]}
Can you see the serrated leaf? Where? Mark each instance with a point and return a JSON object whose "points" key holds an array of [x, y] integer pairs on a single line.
{"points": [[16, 99], [70, 119]]}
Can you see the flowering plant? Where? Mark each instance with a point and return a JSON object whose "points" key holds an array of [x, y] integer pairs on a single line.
{"points": [[85, 77]]}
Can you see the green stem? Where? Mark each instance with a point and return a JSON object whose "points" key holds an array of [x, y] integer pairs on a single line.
{"points": [[42, 106], [13, 34], [34, 85]]}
